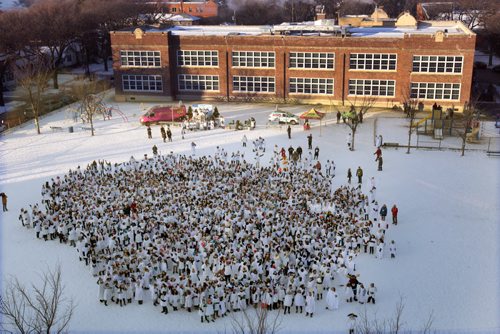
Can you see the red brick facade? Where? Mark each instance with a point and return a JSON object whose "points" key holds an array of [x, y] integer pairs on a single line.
{"points": [[196, 8], [405, 48]]}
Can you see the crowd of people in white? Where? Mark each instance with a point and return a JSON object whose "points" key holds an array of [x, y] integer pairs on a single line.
{"points": [[213, 235]]}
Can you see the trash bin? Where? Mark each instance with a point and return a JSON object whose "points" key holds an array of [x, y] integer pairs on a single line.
{"points": [[70, 129]]}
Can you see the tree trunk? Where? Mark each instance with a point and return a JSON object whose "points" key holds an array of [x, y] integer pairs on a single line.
{"points": [[352, 141], [490, 53], [464, 142], [105, 56], [409, 135], [2, 100], [37, 124], [55, 78], [91, 119]]}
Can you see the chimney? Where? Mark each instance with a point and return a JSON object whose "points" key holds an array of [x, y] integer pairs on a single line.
{"points": [[320, 12]]}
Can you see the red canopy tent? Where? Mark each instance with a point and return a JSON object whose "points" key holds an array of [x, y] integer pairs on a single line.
{"points": [[313, 114]]}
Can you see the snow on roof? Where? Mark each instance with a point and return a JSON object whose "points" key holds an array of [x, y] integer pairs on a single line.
{"points": [[423, 28]]}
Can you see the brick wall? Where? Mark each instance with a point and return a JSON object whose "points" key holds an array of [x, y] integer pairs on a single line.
{"points": [[404, 47]]}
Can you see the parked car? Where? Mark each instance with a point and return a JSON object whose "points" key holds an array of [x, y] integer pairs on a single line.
{"points": [[283, 117], [496, 68], [159, 114], [480, 65]]}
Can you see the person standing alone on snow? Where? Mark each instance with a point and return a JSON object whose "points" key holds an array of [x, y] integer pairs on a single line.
{"points": [[349, 176], [150, 134], [359, 174], [289, 131], [310, 141], [193, 149], [4, 202], [394, 212]]}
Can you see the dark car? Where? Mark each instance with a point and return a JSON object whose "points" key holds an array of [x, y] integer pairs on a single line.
{"points": [[480, 65], [496, 68]]}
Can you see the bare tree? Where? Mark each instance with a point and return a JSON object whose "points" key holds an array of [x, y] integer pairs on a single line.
{"points": [[395, 324], [54, 29], [91, 101], [33, 77], [355, 114], [13, 39], [470, 114], [42, 308], [410, 107], [256, 321]]}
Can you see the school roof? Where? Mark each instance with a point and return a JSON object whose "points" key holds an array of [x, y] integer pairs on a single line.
{"points": [[313, 28]]}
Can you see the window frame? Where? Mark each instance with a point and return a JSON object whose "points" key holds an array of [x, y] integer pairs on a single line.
{"points": [[437, 62], [254, 81], [367, 87], [435, 91], [140, 56], [306, 60], [241, 59], [301, 86], [207, 78], [368, 62], [151, 78], [197, 56]]}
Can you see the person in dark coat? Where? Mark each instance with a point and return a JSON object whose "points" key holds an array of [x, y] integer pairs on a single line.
{"points": [[163, 133], [339, 115], [316, 153], [169, 134], [290, 152], [359, 174], [299, 152], [310, 141], [155, 150], [4, 202], [150, 134], [349, 176], [383, 212], [360, 117], [380, 162], [289, 131]]}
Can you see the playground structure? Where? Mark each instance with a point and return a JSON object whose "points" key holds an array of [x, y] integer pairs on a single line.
{"points": [[101, 108], [439, 124]]}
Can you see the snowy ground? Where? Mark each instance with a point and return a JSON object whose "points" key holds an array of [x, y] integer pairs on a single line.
{"points": [[448, 254]]}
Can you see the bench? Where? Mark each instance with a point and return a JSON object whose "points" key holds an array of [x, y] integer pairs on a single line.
{"points": [[388, 144], [56, 128], [493, 153]]}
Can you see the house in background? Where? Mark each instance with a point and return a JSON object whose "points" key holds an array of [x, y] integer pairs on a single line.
{"points": [[200, 8]]}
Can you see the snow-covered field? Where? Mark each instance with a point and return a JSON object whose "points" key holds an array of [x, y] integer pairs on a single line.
{"points": [[448, 236]]}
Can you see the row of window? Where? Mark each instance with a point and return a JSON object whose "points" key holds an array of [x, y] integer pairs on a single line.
{"points": [[253, 84], [305, 60], [438, 64]]}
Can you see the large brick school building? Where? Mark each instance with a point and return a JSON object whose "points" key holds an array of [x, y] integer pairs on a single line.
{"points": [[311, 62]]}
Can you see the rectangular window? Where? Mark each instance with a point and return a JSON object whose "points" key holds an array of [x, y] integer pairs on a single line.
{"points": [[435, 91], [142, 83], [438, 64], [312, 60], [140, 58], [311, 86], [366, 87], [197, 58], [373, 61], [253, 59], [253, 84], [189, 82]]}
